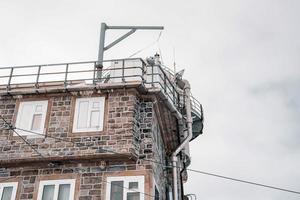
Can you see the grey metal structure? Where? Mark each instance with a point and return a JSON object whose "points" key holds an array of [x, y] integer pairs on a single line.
{"points": [[102, 46]]}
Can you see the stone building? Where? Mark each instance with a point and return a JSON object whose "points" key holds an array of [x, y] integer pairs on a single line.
{"points": [[73, 131]]}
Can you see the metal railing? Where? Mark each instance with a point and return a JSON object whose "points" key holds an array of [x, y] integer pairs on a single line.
{"points": [[197, 107], [70, 74]]}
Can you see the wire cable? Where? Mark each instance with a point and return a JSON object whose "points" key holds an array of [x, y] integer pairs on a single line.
{"points": [[147, 46], [28, 143], [188, 169]]}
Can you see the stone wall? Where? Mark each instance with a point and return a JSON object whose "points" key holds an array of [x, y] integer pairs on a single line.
{"points": [[90, 178], [118, 131]]}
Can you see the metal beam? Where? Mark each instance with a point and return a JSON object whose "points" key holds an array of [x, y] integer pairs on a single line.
{"points": [[137, 27], [102, 47], [119, 39]]}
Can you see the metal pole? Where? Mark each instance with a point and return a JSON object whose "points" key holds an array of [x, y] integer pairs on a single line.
{"points": [[101, 50]]}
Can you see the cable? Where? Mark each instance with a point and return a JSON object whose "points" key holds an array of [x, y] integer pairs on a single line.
{"points": [[28, 143], [192, 170], [244, 181], [132, 190], [146, 47]]}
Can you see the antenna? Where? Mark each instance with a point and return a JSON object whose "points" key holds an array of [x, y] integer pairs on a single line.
{"points": [[174, 63], [103, 48]]}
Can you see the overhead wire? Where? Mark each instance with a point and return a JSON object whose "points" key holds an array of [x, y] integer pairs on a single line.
{"points": [[188, 169], [28, 143], [147, 46]]}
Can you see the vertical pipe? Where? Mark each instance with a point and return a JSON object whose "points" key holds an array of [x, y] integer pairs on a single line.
{"points": [[123, 69], [189, 121], [38, 77], [9, 79], [101, 50], [66, 75]]}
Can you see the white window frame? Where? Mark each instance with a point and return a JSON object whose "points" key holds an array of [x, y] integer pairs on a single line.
{"points": [[9, 184], [101, 101], [126, 179], [21, 113], [56, 187]]}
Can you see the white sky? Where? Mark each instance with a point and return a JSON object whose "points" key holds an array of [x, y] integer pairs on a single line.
{"points": [[241, 57]]}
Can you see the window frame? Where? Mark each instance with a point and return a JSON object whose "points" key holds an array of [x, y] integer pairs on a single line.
{"points": [[56, 184], [9, 184], [126, 179], [91, 100], [44, 112]]}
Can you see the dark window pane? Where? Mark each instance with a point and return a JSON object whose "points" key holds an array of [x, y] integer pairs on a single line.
{"points": [[116, 190], [48, 192], [156, 194], [64, 192], [7, 193], [133, 185], [133, 196]]}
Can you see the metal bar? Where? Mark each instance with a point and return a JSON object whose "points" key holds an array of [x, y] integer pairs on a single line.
{"points": [[38, 77], [66, 75], [94, 73], [101, 50], [152, 76], [123, 68], [71, 63], [136, 27], [119, 39], [9, 79]]}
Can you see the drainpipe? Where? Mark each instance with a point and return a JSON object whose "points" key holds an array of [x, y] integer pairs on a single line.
{"points": [[188, 132]]}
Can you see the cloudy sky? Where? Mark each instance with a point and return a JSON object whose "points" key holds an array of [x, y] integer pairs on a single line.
{"points": [[241, 57]]}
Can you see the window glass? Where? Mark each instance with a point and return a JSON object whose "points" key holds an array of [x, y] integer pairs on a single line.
{"points": [[156, 197], [95, 119], [36, 122], [48, 192], [96, 105], [82, 114], [64, 192], [39, 108], [125, 188], [63, 189], [7, 193], [133, 196], [133, 185], [116, 190], [89, 114], [24, 116], [31, 117]]}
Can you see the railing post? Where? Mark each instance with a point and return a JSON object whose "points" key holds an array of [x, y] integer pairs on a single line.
{"points": [[94, 72], [165, 83], [9, 79], [152, 83], [123, 68], [38, 77], [66, 75]]}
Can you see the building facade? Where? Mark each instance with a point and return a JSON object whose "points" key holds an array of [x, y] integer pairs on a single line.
{"points": [[73, 134]]}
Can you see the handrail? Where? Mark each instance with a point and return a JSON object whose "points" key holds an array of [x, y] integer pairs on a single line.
{"points": [[69, 72]]}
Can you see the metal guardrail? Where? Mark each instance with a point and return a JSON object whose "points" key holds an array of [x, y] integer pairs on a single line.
{"points": [[113, 71], [197, 107]]}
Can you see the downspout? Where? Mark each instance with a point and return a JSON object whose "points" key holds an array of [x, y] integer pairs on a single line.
{"points": [[189, 121]]}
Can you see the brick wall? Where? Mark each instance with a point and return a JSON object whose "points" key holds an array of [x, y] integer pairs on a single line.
{"points": [[90, 177], [119, 127]]}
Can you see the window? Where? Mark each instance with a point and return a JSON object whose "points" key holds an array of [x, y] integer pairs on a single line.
{"points": [[31, 117], [89, 113], [56, 190], [125, 188], [8, 191], [156, 194]]}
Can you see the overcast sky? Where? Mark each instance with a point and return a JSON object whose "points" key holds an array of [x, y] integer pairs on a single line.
{"points": [[241, 57]]}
